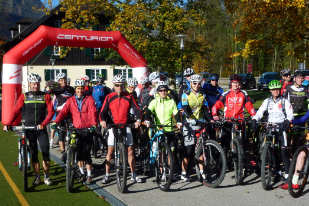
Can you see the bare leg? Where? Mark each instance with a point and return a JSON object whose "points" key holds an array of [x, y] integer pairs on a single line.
{"points": [[110, 150]]}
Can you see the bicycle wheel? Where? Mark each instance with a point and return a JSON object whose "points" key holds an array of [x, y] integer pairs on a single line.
{"points": [[121, 167], [25, 165], [303, 173], [268, 166], [214, 163], [164, 167], [237, 157], [70, 169]]}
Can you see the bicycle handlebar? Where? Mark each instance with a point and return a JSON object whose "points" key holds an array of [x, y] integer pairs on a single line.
{"points": [[21, 128]]}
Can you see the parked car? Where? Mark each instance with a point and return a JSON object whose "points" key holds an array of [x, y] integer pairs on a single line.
{"points": [[247, 81], [265, 78]]}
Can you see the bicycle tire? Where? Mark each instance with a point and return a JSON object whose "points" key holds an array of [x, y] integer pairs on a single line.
{"points": [[267, 166], [121, 167], [167, 165], [25, 165], [70, 169], [237, 157], [303, 177], [214, 164]]}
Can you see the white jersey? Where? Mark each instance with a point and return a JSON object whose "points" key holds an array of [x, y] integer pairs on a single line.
{"points": [[276, 113]]}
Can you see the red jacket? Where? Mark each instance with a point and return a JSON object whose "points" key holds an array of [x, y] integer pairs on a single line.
{"points": [[234, 103], [85, 118], [118, 108], [284, 86]]}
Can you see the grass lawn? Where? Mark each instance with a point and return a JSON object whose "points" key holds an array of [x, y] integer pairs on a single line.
{"points": [[41, 194]]}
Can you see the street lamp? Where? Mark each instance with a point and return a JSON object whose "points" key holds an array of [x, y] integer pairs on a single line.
{"points": [[182, 46]]}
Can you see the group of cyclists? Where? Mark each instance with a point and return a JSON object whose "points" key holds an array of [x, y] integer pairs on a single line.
{"points": [[151, 101]]}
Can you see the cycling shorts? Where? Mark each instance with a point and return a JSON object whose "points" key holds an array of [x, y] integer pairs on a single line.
{"points": [[129, 137]]}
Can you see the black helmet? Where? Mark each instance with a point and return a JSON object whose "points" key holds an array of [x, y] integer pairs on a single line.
{"points": [[214, 77], [298, 73], [234, 77]]}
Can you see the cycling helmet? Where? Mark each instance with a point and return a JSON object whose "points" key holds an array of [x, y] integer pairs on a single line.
{"points": [[153, 76], [85, 78], [94, 80], [234, 77], [298, 73], [118, 79], [60, 75], [274, 84], [285, 72], [143, 80], [188, 72], [214, 77], [196, 78], [34, 78], [79, 83], [132, 82], [162, 84]]}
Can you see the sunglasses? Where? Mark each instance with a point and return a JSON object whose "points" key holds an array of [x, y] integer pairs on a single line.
{"points": [[286, 75], [196, 83], [162, 90], [118, 85]]}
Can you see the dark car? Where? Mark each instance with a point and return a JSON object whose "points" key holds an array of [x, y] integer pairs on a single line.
{"points": [[265, 78], [247, 81]]}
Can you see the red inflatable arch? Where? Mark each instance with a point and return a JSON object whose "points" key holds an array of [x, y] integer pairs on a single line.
{"points": [[45, 36]]}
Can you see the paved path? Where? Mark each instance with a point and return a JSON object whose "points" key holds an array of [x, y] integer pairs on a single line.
{"points": [[192, 193]]}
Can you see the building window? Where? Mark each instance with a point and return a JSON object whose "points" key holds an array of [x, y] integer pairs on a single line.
{"points": [[96, 51], [95, 73], [50, 74], [56, 51], [127, 72]]}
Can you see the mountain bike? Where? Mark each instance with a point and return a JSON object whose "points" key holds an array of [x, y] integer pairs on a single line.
{"points": [[161, 157], [24, 159], [209, 155], [302, 155]]}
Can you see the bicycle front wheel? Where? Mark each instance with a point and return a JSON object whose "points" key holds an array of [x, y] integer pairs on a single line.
{"points": [[300, 154], [164, 167], [25, 165], [268, 167], [70, 169], [237, 156], [121, 167], [213, 161]]}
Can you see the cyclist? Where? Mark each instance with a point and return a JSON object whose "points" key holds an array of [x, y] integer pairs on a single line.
{"points": [[83, 111], [131, 86], [280, 112], [88, 88], [195, 107], [62, 94], [233, 101], [154, 77], [145, 97], [212, 90], [286, 80], [185, 84], [99, 92], [36, 109], [116, 108]]}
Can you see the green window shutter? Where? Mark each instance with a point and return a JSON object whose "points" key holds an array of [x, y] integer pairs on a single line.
{"points": [[64, 71], [52, 74], [104, 74], [130, 73], [89, 73], [47, 74]]}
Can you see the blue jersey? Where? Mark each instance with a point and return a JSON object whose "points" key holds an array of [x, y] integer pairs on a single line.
{"points": [[99, 93], [212, 93], [301, 120]]}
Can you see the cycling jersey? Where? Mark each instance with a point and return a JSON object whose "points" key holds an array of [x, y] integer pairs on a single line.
{"points": [[278, 110], [163, 109], [36, 108], [302, 119], [185, 87], [62, 95], [133, 94], [233, 103], [99, 93], [117, 107], [284, 87], [83, 112], [298, 97], [213, 93], [144, 97]]}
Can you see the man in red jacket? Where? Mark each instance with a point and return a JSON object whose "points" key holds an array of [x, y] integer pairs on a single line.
{"points": [[83, 111], [116, 108], [37, 110]]}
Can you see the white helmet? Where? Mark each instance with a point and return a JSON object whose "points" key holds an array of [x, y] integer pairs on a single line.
{"points": [[153, 76], [143, 80], [196, 78], [34, 78], [132, 82], [60, 76], [79, 83], [188, 72], [85, 77], [162, 84], [118, 79]]}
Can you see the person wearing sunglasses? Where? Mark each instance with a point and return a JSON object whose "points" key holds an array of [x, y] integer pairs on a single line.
{"points": [[116, 110], [195, 107], [286, 80]]}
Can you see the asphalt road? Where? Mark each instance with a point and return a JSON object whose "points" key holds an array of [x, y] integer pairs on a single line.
{"points": [[194, 193]]}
